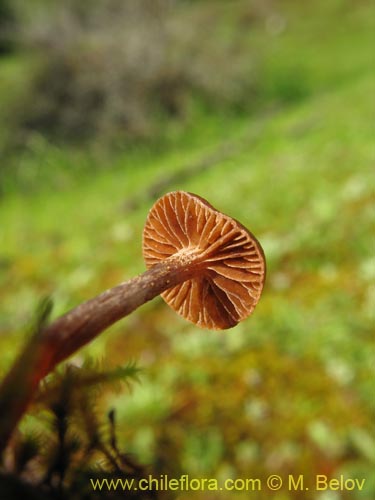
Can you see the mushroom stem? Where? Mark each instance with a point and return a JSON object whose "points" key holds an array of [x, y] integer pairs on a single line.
{"points": [[82, 324], [64, 336]]}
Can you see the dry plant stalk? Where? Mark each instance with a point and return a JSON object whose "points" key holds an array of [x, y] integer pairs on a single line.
{"points": [[207, 267]]}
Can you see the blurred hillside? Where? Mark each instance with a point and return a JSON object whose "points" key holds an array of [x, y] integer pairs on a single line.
{"points": [[118, 73], [266, 110], [88, 79]]}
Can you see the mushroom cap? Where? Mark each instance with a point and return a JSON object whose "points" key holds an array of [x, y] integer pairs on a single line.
{"points": [[227, 261]]}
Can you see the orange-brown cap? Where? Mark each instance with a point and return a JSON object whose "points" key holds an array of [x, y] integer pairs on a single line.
{"points": [[227, 262]]}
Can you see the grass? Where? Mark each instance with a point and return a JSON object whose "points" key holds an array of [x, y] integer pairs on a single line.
{"points": [[292, 386]]}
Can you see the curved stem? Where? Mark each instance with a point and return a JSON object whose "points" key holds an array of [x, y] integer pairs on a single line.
{"points": [[64, 336]]}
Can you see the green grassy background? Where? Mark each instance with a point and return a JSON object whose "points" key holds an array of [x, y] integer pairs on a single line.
{"points": [[291, 389]]}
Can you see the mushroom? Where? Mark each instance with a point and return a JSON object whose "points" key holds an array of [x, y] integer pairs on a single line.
{"points": [[206, 266], [223, 262]]}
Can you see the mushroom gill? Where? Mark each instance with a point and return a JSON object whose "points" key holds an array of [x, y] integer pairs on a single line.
{"points": [[225, 262]]}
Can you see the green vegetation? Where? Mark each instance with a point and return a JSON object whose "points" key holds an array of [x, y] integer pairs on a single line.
{"points": [[289, 391]]}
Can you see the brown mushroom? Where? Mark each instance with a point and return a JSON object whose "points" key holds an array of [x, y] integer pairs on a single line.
{"points": [[223, 261], [206, 265]]}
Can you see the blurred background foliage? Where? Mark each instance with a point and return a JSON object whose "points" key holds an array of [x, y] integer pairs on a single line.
{"points": [[266, 109]]}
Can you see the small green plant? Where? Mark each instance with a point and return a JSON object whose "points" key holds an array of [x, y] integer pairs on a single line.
{"points": [[76, 447]]}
